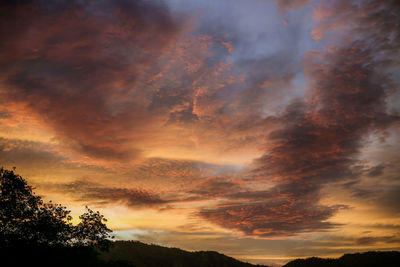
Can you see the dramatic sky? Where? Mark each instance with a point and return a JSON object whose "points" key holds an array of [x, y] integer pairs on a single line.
{"points": [[263, 129]]}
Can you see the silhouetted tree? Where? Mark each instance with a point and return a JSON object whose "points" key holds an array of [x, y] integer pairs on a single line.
{"points": [[25, 220], [92, 230]]}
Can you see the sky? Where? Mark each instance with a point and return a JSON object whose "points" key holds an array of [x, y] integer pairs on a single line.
{"points": [[266, 130]]}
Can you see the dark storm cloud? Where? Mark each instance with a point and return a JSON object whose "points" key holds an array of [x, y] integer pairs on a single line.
{"points": [[77, 63], [319, 140]]}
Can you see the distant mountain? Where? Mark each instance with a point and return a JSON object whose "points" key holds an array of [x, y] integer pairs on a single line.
{"points": [[134, 253], [137, 254], [367, 259]]}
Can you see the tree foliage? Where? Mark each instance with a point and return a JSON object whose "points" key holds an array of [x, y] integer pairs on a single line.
{"points": [[25, 219], [92, 230]]}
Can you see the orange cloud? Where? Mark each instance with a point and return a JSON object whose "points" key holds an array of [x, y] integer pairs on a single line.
{"points": [[319, 140], [75, 67]]}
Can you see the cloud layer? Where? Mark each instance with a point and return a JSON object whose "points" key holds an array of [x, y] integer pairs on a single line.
{"points": [[319, 140], [78, 67], [220, 111]]}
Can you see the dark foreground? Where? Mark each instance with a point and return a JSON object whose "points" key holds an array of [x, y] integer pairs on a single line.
{"points": [[367, 259], [133, 253], [121, 253]]}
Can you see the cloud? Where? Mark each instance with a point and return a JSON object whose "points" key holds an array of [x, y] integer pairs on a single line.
{"points": [[122, 80], [320, 138], [113, 80], [118, 81], [292, 3], [97, 194], [214, 187], [376, 171], [389, 199], [285, 5], [372, 240], [341, 14], [28, 155], [278, 217], [154, 183], [77, 66]]}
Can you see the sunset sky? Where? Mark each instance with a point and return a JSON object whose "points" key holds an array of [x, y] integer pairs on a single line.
{"points": [[263, 129]]}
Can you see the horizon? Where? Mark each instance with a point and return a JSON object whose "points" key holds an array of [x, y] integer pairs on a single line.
{"points": [[266, 130]]}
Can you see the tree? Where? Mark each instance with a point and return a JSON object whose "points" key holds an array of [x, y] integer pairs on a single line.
{"points": [[25, 219], [92, 230]]}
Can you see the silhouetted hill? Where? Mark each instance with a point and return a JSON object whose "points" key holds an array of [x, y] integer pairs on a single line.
{"points": [[121, 254], [143, 255], [137, 254], [367, 259]]}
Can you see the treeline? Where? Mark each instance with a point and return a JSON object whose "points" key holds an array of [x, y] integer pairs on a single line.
{"points": [[366, 259], [45, 255], [143, 255], [119, 254]]}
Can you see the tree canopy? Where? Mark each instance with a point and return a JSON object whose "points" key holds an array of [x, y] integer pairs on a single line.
{"points": [[25, 219]]}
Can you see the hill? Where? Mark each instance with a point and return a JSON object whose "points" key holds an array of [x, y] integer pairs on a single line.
{"points": [[366, 259], [138, 254]]}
